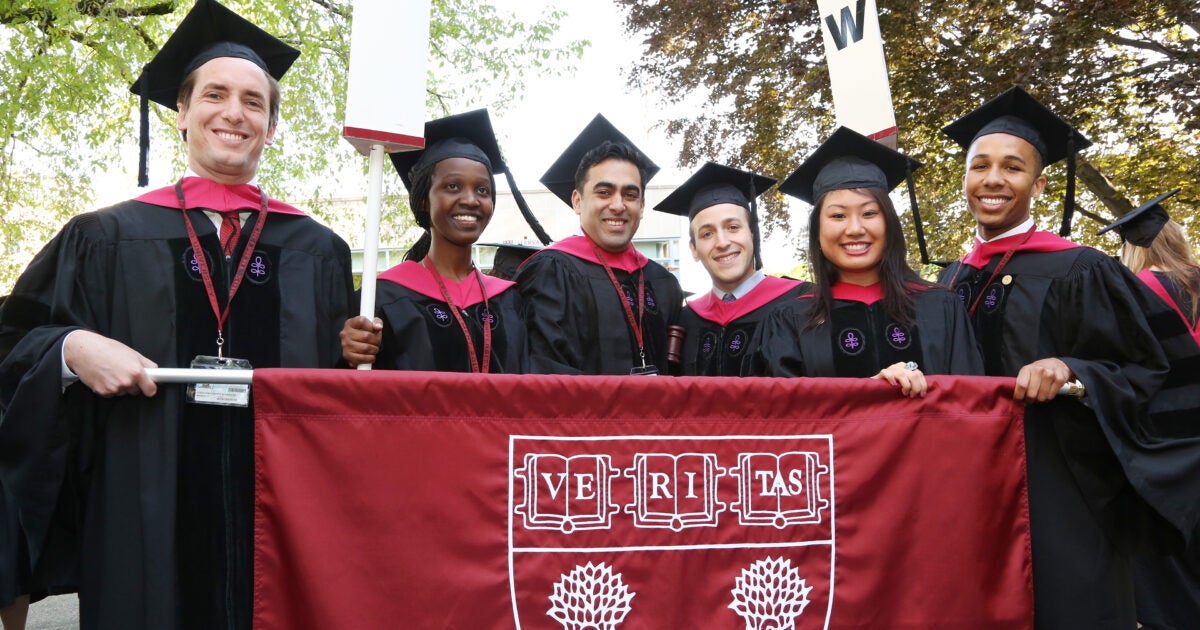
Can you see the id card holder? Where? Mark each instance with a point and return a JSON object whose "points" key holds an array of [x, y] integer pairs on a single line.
{"points": [[645, 370], [224, 394]]}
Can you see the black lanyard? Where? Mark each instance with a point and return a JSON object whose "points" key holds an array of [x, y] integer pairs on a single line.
{"points": [[202, 262]]}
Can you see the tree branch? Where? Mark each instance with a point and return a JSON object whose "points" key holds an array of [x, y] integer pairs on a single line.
{"points": [[1100, 186], [329, 6]]}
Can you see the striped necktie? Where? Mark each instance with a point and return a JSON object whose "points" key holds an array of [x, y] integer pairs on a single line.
{"points": [[231, 226]]}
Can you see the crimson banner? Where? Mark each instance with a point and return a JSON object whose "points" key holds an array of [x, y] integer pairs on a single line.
{"points": [[419, 500]]}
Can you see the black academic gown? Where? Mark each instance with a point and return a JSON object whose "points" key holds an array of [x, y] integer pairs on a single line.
{"points": [[1056, 299], [1167, 588], [146, 504], [420, 333], [575, 320], [721, 338], [860, 339]]}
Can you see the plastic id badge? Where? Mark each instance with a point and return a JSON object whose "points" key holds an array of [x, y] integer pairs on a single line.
{"points": [[224, 394]]}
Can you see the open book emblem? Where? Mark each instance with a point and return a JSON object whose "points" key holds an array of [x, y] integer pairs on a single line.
{"points": [[622, 528]]}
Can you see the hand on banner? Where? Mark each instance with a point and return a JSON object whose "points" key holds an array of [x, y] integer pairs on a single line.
{"points": [[1041, 380], [907, 376], [107, 366], [361, 339]]}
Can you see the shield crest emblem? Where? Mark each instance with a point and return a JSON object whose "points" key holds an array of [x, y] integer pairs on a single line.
{"points": [[625, 532]]}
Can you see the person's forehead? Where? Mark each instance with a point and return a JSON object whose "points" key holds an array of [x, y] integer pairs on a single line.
{"points": [[227, 69], [720, 213], [614, 171], [999, 145], [460, 166], [848, 197]]}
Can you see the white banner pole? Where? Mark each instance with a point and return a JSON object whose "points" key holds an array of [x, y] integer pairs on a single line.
{"points": [[370, 267], [188, 375]]}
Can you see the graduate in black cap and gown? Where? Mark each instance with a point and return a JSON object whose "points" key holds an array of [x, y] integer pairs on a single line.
{"points": [[436, 311], [868, 314], [1046, 311], [721, 328], [1156, 249], [1167, 588], [595, 304], [142, 495]]}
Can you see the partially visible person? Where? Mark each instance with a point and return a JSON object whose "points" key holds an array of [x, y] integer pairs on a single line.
{"points": [[867, 314], [596, 305], [1047, 311], [141, 495], [1157, 250], [721, 328], [436, 311], [1167, 588], [509, 257]]}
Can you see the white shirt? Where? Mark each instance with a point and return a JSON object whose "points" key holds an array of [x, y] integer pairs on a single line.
{"points": [[1020, 229]]}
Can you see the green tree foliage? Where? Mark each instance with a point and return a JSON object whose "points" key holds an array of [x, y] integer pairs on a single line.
{"points": [[68, 121], [1125, 72]]}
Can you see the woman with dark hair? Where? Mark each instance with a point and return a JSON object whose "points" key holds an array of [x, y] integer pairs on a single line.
{"points": [[436, 311], [868, 314]]}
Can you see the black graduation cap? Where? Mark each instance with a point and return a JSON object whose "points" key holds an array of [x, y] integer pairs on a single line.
{"points": [[848, 159], [560, 177], [467, 135], [207, 32], [509, 257], [1141, 225], [715, 184], [1016, 113]]}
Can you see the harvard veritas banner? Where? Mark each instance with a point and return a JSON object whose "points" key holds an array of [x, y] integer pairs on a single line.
{"points": [[414, 500]]}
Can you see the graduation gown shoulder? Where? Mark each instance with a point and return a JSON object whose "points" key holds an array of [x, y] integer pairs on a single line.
{"points": [[721, 343], [576, 323], [420, 332], [859, 339]]}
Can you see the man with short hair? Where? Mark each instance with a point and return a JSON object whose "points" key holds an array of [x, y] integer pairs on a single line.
{"points": [[721, 328], [1047, 311], [141, 494], [596, 305]]}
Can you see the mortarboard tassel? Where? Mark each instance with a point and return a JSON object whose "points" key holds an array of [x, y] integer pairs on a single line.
{"points": [[912, 201], [525, 211], [1069, 201], [754, 229], [144, 137]]}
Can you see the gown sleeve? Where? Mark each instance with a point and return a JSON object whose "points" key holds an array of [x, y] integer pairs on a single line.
{"points": [[1124, 366], [59, 292]]}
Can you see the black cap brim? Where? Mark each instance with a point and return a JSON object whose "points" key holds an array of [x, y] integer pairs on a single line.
{"points": [[848, 159], [1017, 113], [1141, 225], [560, 177]]}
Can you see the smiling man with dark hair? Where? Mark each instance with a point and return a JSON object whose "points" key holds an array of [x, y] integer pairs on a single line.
{"points": [[596, 305]]}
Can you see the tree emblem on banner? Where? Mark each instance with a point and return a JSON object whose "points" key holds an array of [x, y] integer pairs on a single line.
{"points": [[590, 597], [770, 594]]}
